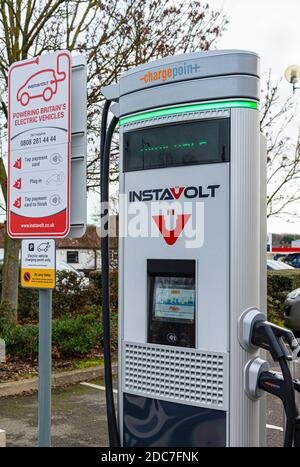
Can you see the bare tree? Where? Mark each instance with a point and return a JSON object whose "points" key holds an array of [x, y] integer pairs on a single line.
{"points": [[114, 35], [146, 31], [283, 154]]}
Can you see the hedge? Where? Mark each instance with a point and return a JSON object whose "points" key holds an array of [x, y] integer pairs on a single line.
{"points": [[70, 336], [77, 326], [95, 281], [280, 283], [69, 297]]}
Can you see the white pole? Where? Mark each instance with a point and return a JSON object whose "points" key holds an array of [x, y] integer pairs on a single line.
{"points": [[2, 438]]}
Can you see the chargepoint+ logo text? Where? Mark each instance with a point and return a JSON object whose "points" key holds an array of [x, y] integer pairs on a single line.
{"points": [[170, 73]]}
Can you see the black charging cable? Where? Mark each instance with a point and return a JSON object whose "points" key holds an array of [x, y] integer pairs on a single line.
{"points": [[105, 145], [275, 383], [103, 130], [270, 337], [290, 406]]}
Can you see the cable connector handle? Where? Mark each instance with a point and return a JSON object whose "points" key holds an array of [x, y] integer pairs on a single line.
{"points": [[252, 373], [255, 332], [246, 323]]}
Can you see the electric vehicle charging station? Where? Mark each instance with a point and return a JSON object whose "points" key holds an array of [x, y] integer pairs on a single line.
{"points": [[192, 156]]}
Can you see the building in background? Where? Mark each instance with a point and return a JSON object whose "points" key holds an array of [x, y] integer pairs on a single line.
{"points": [[84, 253], [81, 253]]}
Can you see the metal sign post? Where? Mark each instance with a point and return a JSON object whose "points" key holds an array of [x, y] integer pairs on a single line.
{"points": [[46, 182], [39, 144], [45, 338], [38, 271]]}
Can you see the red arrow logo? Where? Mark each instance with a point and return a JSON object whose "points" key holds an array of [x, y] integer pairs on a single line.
{"points": [[17, 203], [171, 236], [18, 163], [18, 184], [177, 191]]}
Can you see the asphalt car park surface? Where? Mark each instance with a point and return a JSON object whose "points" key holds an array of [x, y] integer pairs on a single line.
{"points": [[79, 418]]}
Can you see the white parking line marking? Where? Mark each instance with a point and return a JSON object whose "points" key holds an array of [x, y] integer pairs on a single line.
{"points": [[102, 388], [274, 427], [96, 386]]}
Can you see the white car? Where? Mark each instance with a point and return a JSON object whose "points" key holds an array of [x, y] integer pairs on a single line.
{"points": [[277, 265]]}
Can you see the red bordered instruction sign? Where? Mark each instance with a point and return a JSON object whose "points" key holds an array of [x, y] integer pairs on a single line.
{"points": [[39, 137]]}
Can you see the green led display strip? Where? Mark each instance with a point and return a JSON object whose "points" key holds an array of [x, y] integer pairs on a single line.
{"points": [[188, 108]]}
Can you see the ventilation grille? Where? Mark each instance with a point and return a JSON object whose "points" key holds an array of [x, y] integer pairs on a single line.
{"points": [[187, 116], [185, 375]]}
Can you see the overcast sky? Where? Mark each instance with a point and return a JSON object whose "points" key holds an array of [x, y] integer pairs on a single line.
{"points": [[270, 28]]}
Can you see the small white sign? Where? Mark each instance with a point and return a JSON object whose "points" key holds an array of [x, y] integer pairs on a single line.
{"points": [[38, 259]]}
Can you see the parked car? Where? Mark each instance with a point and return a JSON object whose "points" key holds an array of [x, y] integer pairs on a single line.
{"points": [[295, 261], [277, 265], [280, 257], [292, 258], [62, 266], [292, 311]]}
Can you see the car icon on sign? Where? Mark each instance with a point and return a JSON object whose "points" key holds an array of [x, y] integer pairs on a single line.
{"points": [[42, 84], [43, 247]]}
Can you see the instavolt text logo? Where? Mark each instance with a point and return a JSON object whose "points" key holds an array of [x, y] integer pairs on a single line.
{"points": [[169, 214], [171, 72]]}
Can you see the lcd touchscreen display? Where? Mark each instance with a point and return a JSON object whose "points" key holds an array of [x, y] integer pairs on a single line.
{"points": [[174, 299], [188, 143]]}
